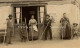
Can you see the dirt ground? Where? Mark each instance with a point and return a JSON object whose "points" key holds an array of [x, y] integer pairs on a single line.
{"points": [[75, 43]]}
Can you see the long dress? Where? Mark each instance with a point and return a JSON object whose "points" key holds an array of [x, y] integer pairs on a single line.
{"points": [[33, 31], [66, 29]]}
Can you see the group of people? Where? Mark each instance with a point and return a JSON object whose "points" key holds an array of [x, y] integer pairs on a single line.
{"points": [[66, 30], [22, 29], [30, 34]]}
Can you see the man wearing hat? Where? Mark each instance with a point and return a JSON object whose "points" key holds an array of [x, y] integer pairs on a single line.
{"points": [[47, 25], [9, 29]]}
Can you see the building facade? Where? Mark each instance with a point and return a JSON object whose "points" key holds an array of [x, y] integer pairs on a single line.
{"points": [[23, 9]]}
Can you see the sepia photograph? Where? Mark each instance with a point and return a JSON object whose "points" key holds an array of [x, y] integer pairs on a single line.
{"points": [[39, 23]]}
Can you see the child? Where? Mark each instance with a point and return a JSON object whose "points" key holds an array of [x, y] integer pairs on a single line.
{"points": [[75, 30], [23, 33]]}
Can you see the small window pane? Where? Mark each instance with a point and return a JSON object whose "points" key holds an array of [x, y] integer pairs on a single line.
{"points": [[41, 17], [41, 9], [17, 10], [17, 14]]}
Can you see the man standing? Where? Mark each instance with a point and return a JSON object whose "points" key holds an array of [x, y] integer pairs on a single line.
{"points": [[47, 24], [9, 29]]}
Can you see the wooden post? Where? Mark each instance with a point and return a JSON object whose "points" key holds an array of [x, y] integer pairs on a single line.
{"points": [[21, 14], [12, 12], [45, 12], [38, 16], [26, 30]]}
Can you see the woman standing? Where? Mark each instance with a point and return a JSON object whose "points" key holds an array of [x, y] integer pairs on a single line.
{"points": [[33, 28], [66, 29]]}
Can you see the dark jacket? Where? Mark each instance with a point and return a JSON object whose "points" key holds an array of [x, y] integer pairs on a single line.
{"points": [[47, 23], [9, 24]]}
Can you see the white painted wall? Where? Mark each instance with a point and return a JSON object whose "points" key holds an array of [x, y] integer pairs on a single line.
{"points": [[4, 13]]}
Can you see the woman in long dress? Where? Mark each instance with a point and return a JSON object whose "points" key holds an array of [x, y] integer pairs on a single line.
{"points": [[33, 31], [66, 29]]}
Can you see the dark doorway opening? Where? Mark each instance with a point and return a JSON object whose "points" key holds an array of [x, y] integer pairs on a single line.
{"points": [[27, 12]]}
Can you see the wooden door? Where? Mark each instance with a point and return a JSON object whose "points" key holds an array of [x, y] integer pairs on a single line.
{"points": [[41, 18], [17, 17]]}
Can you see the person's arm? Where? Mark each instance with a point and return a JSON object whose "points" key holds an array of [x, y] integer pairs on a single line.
{"points": [[36, 22], [12, 23], [61, 20], [72, 29], [78, 29], [26, 26], [68, 20], [52, 20], [49, 23]]}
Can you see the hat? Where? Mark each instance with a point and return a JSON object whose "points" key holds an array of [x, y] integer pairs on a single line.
{"points": [[64, 13], [48, 15], [10, 15], [75, 24]]}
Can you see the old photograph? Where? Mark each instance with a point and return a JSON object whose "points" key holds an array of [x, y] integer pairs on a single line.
{"points": [[39, 23]]}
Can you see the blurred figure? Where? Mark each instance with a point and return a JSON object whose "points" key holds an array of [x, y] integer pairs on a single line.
{"points": [[23, 32], [66, 29], [75, 30]]}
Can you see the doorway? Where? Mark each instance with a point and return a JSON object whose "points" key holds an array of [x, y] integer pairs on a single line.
{"points": [[27, 12], [22, 13]]}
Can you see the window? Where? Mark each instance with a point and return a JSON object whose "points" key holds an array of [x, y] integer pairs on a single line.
{"points": [[17, 17], [41, 14], [18, 14]]}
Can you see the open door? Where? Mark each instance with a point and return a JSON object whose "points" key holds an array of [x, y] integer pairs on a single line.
{"points": [[20, 13], [41, 18]]}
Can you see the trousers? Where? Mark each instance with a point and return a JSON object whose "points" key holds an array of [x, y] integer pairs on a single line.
{"points": [[8, 35], [48, 32]]}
